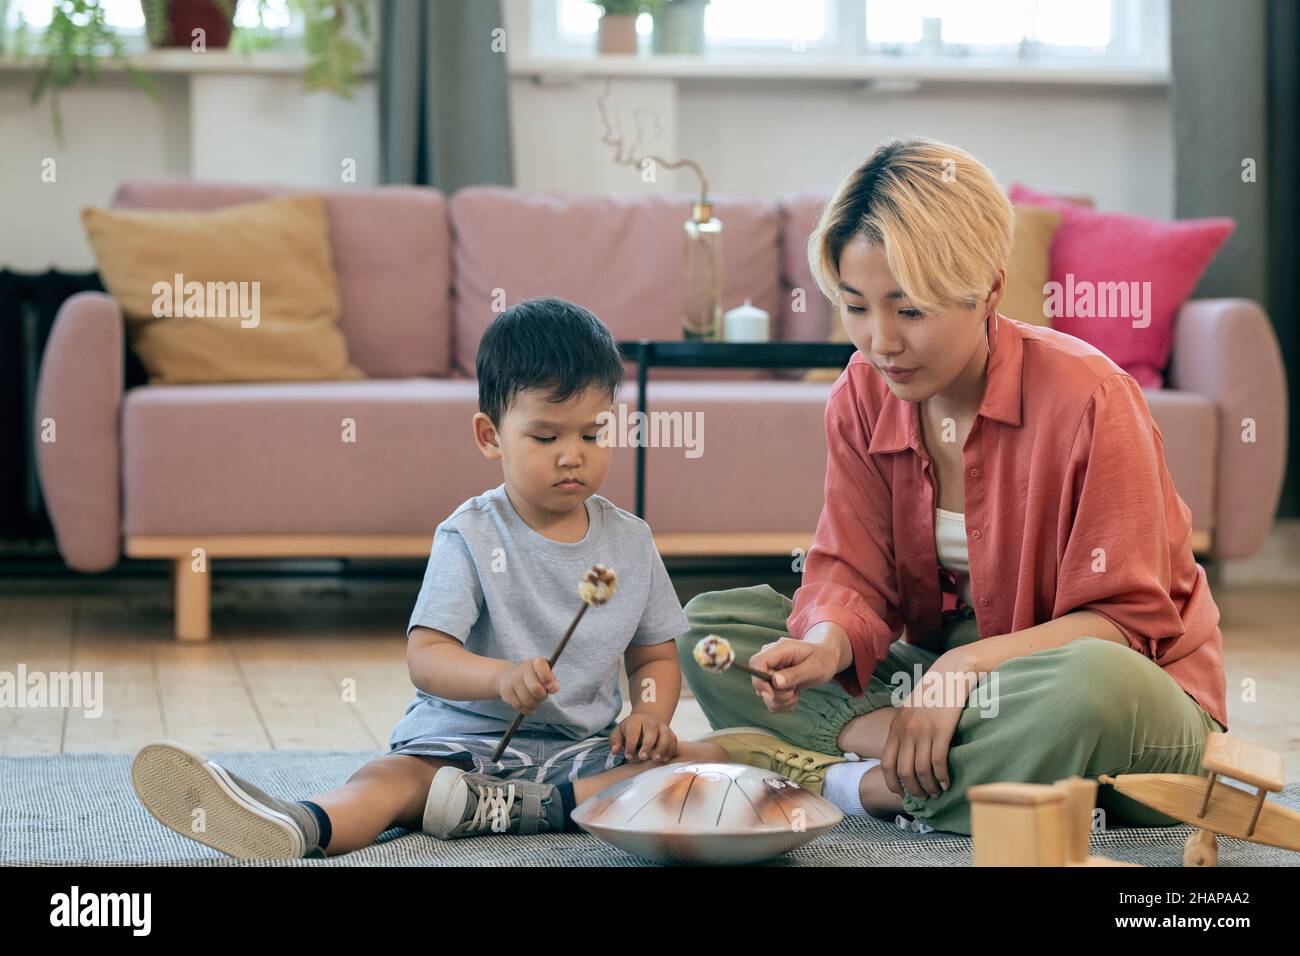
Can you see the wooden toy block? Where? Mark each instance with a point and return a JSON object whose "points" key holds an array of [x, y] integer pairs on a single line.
{"points": [[1033, 824]]}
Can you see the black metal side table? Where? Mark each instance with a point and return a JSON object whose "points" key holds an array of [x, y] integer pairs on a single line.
{"points": [[648, 353]]}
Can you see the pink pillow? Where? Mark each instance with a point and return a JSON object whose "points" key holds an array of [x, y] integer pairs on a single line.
{"points": [[1118, 281]]}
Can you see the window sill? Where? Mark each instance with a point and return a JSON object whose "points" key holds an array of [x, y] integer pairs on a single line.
{"points": [[873, 70], [186, 61]]}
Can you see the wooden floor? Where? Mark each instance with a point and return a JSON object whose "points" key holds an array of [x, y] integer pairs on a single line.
{"points": [[291, 666], [320, 665]]}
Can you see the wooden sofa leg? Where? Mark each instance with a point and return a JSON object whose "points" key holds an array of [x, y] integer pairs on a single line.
{"points": [[193, 597]]}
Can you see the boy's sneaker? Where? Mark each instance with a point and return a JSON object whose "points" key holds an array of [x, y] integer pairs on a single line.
{"points": [[464, 804], [174, 782], [757, 747]]}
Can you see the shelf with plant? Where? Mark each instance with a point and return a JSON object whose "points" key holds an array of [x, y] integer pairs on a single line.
{"points": [[79, 42]]}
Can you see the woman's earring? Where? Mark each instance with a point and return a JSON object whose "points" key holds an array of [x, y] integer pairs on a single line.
{"points": [[994, 346]]}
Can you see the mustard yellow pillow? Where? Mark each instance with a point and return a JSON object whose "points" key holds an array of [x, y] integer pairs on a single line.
{"points": [[245, 293], [1028, 272], [1030, 267]]}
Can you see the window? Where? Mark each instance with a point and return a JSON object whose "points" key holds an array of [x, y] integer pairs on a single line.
{"points": [[126, 17], [993, 27], [1077, 33], [770, 24], [568, 27]]}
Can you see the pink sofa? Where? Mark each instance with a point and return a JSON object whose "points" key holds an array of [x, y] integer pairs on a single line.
{"points": [[196, 472]]}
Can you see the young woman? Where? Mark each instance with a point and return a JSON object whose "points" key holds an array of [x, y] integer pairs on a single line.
{"points": [[999, 491]]}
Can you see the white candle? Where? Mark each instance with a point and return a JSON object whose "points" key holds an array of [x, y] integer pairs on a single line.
{"points": [[745, 323]]}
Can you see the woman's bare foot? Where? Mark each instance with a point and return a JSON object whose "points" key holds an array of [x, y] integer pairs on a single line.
{"points": [[866, 735]]}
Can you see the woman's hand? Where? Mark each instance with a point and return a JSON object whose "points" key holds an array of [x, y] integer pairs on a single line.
{"points": [[793, 665], [915, 756]]}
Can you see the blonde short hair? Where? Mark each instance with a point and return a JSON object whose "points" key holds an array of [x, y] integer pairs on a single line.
{"points": [[945, 223]]}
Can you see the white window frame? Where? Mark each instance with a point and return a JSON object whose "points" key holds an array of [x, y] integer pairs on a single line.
{"points": [[134, 39], [546, 40], [1140, 40]]}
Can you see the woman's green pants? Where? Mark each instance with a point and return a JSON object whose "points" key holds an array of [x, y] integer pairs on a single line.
{"points": [[1087, 708]]}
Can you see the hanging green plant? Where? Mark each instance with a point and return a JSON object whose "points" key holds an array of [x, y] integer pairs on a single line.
{"points": [[332, 55], [70, 49], [79, 37]]}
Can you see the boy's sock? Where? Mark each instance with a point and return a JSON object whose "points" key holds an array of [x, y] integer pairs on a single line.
{"points": [[843, 783], [324, 830], [568, 802]]}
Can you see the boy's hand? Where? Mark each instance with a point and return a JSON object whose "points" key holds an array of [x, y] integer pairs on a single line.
{"points": [[525, 685], [646, 737]]}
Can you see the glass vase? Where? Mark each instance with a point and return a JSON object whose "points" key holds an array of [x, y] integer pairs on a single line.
{"points": [[702, 274]]}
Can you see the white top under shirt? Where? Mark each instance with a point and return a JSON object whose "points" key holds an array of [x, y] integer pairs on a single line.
{"points": [[950, 541]]}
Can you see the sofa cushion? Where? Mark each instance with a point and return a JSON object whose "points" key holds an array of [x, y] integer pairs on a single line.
{"points": [[245, 293], [1119, 279], [763, 461], [619, 256], [392, 258], [276, 459], [271, 459], [1188, 423], [805, 313], [1030, 266]]}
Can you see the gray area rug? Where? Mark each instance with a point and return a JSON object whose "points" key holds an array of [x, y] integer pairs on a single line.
{"points": [[80, 809]]}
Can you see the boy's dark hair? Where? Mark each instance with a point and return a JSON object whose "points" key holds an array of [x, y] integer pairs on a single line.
{"points": [[544, 343]]}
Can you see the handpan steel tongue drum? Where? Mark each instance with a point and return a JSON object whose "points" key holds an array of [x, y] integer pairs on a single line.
{"points": [[713, 813]]}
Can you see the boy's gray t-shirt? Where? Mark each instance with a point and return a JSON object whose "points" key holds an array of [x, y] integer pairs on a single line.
{"points": [[508, 592]]}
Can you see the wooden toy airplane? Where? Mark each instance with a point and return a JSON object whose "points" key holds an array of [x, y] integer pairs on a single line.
{"points": [[1215, 807]]}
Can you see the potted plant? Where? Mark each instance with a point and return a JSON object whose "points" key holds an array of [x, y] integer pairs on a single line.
{"points": [[179, 22], [332, 54], [617, 30], [679, 26]]}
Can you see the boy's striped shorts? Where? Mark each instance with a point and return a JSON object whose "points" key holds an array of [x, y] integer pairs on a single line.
{"points": [[541, 758]]}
